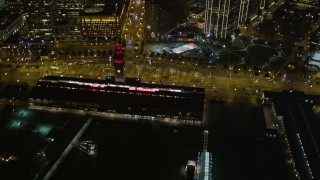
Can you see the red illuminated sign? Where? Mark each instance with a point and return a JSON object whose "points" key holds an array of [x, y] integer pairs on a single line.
{"points": [[98, 85], [143, 89]]}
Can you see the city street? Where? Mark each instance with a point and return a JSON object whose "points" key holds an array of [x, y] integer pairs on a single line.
{"points": [[133, 30], [220, 83]]}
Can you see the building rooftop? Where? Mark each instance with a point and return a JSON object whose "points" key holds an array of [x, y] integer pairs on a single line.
{"points": [[133, 97], [302, 126], [7, 20]]}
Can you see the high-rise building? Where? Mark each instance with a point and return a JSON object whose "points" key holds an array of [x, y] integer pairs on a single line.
{"points": [[40, 16], [51, 17], [250, 8], [15, 7], [104, 20], [222, 17], [163, 14], [208, 16], [67, 23], [70, 8], [152, 17]]}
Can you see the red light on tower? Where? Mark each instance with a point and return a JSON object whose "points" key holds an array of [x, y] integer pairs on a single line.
{"points": [[118, 46], [118, 59]]}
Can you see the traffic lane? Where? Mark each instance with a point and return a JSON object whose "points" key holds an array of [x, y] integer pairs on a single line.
{"points": [[184, 77]]}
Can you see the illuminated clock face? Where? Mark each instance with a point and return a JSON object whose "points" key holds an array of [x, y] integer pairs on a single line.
{"points": [[118, 71]]}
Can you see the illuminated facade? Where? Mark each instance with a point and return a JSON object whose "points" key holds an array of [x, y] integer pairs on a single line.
{"points": [[100, 26], [208, 18], [249, 9], [226, 18], [40, 16], [243, 11], [66, 30], [70, 8], [222, 17], [104, 19], [67, 19], [52, 17], [67, 23]]}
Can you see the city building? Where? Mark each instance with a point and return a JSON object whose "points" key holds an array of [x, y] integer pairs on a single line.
{"points": [[49, 18], [103, 19], [165, 103], [314, 59], [222, 17], [67, 23], [190, 172], [15, 6], [249, 10], [307, 3], [163, 15], [297, 115], [40, 17], [10, 25], [208, 31], [70, 8], [66, 30], [52, 18], [171, 7], [196, 15], [152, 17], [205, 160], [305, 9], [73, 19]]}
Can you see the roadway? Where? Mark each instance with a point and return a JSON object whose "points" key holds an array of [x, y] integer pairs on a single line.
{"points": [[220, 83], [133, 30]]}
